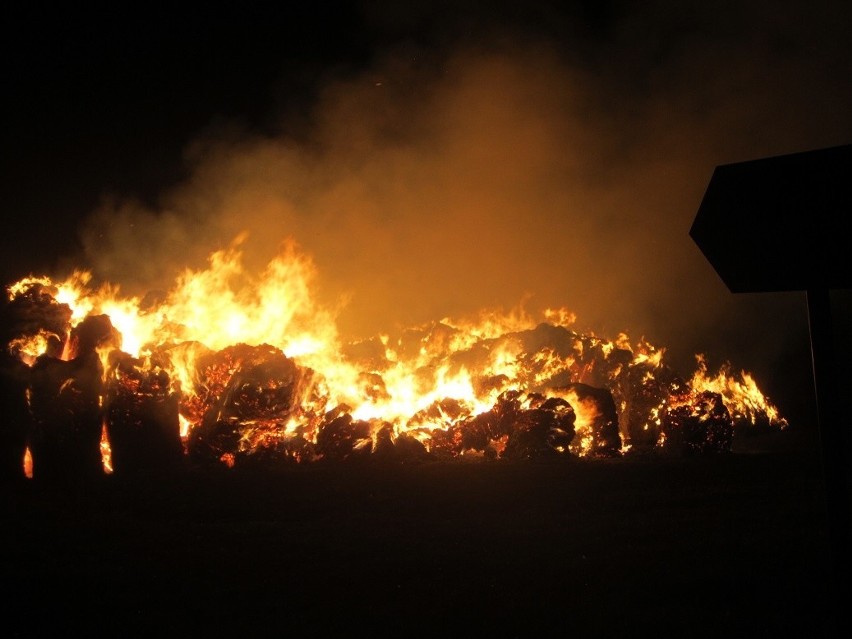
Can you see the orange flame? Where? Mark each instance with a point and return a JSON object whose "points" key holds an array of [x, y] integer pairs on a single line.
{"points": [[399, 381]]}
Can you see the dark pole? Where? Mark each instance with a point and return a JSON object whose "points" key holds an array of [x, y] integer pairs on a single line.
{"points": [[832, 435]]}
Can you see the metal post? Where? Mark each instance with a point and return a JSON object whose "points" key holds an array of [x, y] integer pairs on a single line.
{"points": [[832, 436]]}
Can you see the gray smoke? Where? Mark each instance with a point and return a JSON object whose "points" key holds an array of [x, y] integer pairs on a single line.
{"points": [[504, 168]]}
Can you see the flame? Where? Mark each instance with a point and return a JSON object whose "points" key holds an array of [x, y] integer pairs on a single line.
{"points": [[29, 347], [106, 451], [28, 463], [428, 380], [586, 412], [742, 395]]}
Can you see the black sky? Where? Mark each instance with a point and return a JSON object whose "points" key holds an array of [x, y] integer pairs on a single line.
{"points": [[110, 107], [105, 103]]}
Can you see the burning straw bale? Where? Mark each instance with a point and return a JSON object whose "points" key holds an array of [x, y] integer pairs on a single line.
{"points": [[248, 397], [94, 333], [31, 310], [599, 435], [581, 358], [701, 425], [37, 397], [65, 400], [341, 437], [66, 426], [643, 392], [518, 426], [142, 419], [544, 428], [446, 444]]}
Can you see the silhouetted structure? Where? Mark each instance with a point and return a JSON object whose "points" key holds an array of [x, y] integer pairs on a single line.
{"points": [[779, 224]]}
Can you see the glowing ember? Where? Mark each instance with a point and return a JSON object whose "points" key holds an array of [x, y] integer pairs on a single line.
{"points": [[231, 368], [106, 451], [28, 464]]}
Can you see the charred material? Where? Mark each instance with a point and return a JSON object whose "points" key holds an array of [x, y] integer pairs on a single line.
{"points": [[66, 418], [33, 311], [543, 429], [341, 437], [249, 395], [446, 444], [643, 392], [408, 448], [93, 333], [444, 417], [65, 400], [215, 441], [517, 427], [15, 420], [142, 420], [700, 426]]}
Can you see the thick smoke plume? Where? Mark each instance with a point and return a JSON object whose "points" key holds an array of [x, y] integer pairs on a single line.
{"points": [[511, 170]]}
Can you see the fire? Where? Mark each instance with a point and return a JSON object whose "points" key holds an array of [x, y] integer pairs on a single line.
{"points": [[230, 366], [28, 464], [106, 451], [740, 392]]}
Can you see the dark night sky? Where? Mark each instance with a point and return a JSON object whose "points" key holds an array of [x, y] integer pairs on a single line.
{"points": [[106, 103], [163, 119]]}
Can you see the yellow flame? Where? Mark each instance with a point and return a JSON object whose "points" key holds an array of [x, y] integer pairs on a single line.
{"points": [[29, 347], [740, 393]]}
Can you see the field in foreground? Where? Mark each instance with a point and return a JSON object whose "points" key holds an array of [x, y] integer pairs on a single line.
{"points": [[621, 547]]}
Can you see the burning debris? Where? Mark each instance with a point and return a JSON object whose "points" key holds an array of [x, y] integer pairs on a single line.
{"points": [[247, 404], [141, 413], [86, 373], [700, 424]]}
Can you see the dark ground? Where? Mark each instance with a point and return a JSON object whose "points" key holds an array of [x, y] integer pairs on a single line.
{"points": [[623, 547]]}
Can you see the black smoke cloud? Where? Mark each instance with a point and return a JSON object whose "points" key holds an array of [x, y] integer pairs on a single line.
{"points": [[496, 156]]}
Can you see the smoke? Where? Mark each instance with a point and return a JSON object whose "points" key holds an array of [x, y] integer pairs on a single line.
{"points": [[515, 166]]}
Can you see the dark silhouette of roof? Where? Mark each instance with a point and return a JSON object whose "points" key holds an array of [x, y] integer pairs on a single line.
{"points": [[779, 223]]}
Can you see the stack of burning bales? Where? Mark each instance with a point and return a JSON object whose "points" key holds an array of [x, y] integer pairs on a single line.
{"points": [[252, 405], [63, 405]]}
